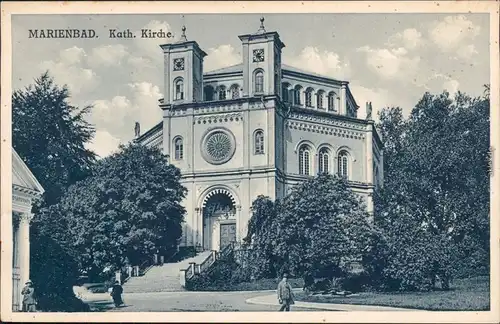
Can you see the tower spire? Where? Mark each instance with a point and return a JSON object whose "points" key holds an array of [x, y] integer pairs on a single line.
{"points": [[261, 30], [183, 36]]}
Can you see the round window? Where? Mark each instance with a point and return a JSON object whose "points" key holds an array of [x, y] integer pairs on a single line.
{"points": [[218, 146]]}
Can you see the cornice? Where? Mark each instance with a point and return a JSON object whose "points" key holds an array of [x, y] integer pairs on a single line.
{"points": [[324, 129], [328, 118], [294, 178], [217, 106], [218, 118], [28, 191]]}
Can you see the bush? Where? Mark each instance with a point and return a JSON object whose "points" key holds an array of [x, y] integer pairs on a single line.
{"points": [[356, 282], [227, 275]]}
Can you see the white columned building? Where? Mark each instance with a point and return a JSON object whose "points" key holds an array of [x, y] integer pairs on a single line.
{"points": [[25, 188]]}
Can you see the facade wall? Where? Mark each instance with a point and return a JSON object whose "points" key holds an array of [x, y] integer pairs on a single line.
{"points": [[302, 131], [285, 123]]}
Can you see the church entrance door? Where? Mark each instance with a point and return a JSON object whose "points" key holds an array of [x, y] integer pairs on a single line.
{"points": [[227, 234], [219, 222]]}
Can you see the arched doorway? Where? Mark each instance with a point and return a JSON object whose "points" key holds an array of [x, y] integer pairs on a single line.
{"points": [[219, 221]]}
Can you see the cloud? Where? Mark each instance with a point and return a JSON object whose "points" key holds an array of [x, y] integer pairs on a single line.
{"points": [[221, 56], [321, 62], [103, 143], [452, 32], [150, 47], [451, 86], [118, 115], [72, 55], [392, 63], [466, 52], [377, 96], [70, 69], [108, 55], [439, 82], [409, 38]]}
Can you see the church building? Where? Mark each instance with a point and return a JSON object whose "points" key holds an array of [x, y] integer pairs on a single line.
{"points": [[256, 128]]}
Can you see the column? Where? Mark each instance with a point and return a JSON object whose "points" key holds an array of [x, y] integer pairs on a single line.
{"points": [[369, 165], [240, 225], [369, 153], [247, 75], [24, 248], [381, 168], [369, 204], [343, 99], [197, 240], [166, 134]]}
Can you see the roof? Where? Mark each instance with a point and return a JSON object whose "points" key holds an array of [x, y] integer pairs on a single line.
{"points": [[228, 69], [150, 132], [22, 175], [296, 70], [239, 68]]}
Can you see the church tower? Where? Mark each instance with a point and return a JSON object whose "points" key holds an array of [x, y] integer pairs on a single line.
{"points": [[183, 77], [261, 62]]}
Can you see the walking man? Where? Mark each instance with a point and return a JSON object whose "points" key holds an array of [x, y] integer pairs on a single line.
{"points": [[116, 294], [285, 294], [29, 302]]}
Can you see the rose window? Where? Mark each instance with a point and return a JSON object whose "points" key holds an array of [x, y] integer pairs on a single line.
{"points": [[218, 147]]}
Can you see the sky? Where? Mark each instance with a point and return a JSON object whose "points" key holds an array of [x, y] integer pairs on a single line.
{"points": [[388, 59]]}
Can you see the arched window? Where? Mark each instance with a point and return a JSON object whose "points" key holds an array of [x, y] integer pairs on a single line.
{"points": [[296, 95], [309, 95], [285, 91], [324, 160], [209, 93], [319, 99], [179, 149], [305, 160], [331, 101], [235, 91], [259, 81], [259, 142], [343, 164], [179, 89], [222, 92]]}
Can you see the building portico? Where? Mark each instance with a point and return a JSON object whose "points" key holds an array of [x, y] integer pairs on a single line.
{"points": [[25, 189]]}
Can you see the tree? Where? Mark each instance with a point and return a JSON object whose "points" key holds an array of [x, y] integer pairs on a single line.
{"points": [[50, 136], [436, 190], [129, 208], [319, 228]]}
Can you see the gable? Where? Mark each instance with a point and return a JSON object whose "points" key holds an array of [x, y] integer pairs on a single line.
{"points": [[22, 176]]}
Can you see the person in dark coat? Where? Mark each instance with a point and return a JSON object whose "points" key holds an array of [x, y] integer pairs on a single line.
{"points": [[285, 294], [29, 301], [116, 293]]}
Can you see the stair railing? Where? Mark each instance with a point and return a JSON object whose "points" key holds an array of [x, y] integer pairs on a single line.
{"points": [[196, 269], [207, 263], [227, 250], [145, 266]]}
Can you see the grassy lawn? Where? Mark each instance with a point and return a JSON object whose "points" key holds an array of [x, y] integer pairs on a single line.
{"points": [[465, 294]]}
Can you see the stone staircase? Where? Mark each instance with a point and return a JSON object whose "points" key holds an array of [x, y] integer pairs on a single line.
{"points": [[162, 278]]}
